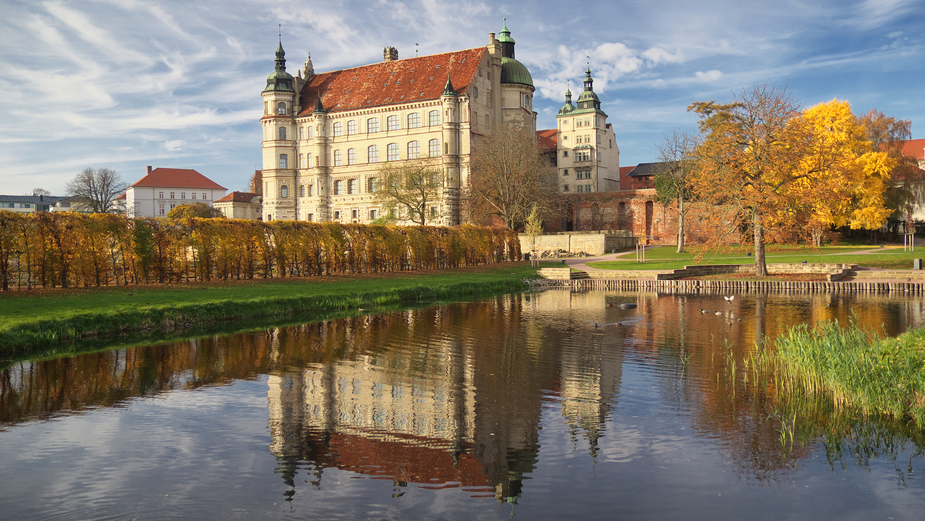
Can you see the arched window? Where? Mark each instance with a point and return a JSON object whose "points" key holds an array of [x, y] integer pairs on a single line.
{"points": [[301, 160], [433, 147], [283, 161], [373, 154], [372, 125], [308, 160], [433, 117], [284, 191], [281, 108], [414, 120], [392, 123], [351, 156], [338, 158], [338, 128], [282, 133], [414, 149], [392, 152], [351, 127]]}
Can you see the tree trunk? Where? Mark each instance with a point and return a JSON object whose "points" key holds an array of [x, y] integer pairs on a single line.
{"points": [[680, 225], [761, 268]]}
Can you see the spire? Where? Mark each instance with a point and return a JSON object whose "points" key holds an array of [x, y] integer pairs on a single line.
{"points": [[279, 79], [507, 43], [448, 90], [568, 108], [319, 108], [280, 58], [308, 70], [588, 80]]}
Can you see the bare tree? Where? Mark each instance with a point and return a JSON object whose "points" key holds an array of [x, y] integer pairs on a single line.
{"points": [[511, 176], [408, 189], [673, 183], [96, 191]]}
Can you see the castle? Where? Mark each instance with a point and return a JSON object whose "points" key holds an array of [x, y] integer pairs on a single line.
{"points": [[326, 136]]}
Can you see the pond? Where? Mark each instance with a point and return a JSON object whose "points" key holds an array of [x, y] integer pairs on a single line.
{"points": [[551, 405]]}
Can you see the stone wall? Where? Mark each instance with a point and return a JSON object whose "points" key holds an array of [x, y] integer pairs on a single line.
{"points": [[592, 243]]}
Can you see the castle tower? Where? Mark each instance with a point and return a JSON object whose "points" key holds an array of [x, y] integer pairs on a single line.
{"points": [[279, 142], [516, 88]]}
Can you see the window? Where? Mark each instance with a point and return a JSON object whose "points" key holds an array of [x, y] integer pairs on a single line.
{"points": [[475, 92], [283, 161], [433, 147], [172, 206], [433, 117], [284, 191], [338, 158], [565, 171], [282, 133], [373, 154], [182, 195], [433, 211], [308, 159], [352, 186], [372, 125], [414, 120], [338, 187], [311, 191], [204, 195], [338, 128], [565, 188], [301, 190], [353, 214], [281, 108], [301, 160], [414, 148], [351, 127], [372, 215], [160, 209], [301, 132], [371, 184], [311, 217], [392, 152], [311, 132], [565, 153], [171, 195], [336, 215], [351, 156], [391, 123], [598, 139], [160, 195]]}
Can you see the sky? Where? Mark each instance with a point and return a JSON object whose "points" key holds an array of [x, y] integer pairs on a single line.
{"points": [[123, 84]]}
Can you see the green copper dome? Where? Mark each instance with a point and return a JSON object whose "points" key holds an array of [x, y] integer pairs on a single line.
{"points": [[512, 71], [279, 79]]}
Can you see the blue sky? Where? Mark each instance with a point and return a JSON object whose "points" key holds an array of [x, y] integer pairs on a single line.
{"points": [[127, 83]]}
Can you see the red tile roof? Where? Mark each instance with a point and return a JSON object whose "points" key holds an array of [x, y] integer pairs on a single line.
{"points": [[237, 197], [914, 148], [391, 82], [547, 139], [177, 178]]}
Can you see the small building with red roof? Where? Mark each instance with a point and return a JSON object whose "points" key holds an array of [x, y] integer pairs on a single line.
{"points": [[240, 205], [161, 189]]}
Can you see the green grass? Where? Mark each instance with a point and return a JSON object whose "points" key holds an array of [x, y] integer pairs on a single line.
{"points": [[666, 257], [853, 368], [32, 320]]}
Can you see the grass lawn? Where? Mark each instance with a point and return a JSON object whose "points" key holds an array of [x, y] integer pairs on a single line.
{"points": [[38, 317], [666, 257]]}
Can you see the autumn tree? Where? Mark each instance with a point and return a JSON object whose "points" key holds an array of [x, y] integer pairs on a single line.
{"points": [[510, 176], [96, 191], [905, 183], [194, 210], [746, 159], [409, 189], [841, 179], [674, 180]]}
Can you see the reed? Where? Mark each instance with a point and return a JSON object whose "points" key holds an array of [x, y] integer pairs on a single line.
{"points": [[854, 368]]}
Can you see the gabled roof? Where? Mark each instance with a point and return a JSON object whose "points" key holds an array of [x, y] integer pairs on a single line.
{"points": [[391, 82], [914, 148], [547, 139], [237, 197], [644, 169], [625, 170], [177, 178]]}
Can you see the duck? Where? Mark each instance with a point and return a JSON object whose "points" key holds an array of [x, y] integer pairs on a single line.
{"points": [[730, 298]]}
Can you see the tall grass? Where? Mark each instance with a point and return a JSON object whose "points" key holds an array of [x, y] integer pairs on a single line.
{"points": [[853, 368]]}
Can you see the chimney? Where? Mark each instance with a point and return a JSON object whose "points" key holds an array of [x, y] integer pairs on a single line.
{"points": [[149, 169], [390, 54]]}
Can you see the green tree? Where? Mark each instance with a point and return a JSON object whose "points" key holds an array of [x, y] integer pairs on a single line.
{"points": [[409, 190]]}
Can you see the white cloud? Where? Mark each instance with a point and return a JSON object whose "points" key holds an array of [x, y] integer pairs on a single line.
{"points": [[174, 145], [708, 76]]}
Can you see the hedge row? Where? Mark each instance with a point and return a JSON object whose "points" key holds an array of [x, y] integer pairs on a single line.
{"points": [[71, 250]]}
